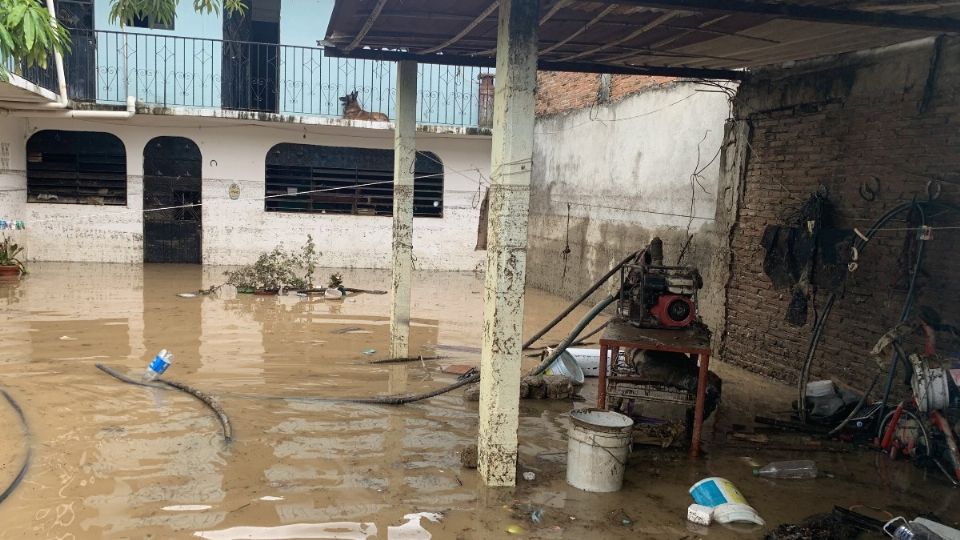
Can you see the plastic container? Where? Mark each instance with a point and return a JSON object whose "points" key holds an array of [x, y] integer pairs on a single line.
{"points": [[699, 514], [715, 491], [931, 389], [945, 532], [589, 360], [795, 470], [566, 365], [821, 389], [597, 447], [736, 513], [159, 364]]}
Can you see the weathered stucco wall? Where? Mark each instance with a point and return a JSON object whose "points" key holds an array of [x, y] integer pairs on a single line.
{"points": [[236, 231], [874, 130], [609, 178]]}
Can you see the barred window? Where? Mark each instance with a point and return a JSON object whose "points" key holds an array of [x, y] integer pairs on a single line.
{"points": [[340, 180], [76, 167]]}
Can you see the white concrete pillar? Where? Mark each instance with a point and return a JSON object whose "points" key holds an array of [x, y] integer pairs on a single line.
{"points": [[404, 158], [511, 159]]}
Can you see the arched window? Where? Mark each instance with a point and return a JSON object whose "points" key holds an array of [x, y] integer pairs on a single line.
{"points": [[339, 180], [76, 167]]}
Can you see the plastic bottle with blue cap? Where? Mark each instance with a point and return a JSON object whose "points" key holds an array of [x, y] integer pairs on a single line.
{"points": [[159, 364]]}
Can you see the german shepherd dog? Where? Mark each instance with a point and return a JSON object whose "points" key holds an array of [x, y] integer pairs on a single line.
{"points": [[353, 111]]}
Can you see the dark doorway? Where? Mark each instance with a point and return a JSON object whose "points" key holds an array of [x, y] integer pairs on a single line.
{"points": [[171, 178], [80, 63], [251, 57]]}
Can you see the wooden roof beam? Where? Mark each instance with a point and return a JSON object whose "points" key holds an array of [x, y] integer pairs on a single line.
{"points": [[367, 25], [809, 13], [579, 67], [603, 13], [557, 6], [467, 29], [632, 35]]}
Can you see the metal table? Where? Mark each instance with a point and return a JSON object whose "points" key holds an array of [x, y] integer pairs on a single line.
{"points": [[693, 341]]}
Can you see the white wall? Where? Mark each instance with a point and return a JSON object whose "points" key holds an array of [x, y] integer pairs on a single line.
{"points": [[235, 232], [625, 170]]}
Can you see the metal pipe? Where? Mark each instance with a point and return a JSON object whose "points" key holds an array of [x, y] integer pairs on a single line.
{"points": [[64, 99]]}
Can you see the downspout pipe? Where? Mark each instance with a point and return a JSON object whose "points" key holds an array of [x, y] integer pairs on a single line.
{"points": [[63, 98]]}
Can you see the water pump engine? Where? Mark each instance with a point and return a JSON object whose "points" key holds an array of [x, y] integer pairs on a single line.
{"points": [[656, 296]]}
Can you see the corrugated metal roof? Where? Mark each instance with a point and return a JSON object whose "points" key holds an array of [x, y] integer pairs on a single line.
{"points": [[645, 36]]}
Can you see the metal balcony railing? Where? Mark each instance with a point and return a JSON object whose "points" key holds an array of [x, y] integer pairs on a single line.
{"points": [[168, 71]]}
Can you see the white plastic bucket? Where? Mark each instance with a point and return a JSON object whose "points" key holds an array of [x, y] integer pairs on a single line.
{"points": [[588, 360], [598, 443], [565, 365]]}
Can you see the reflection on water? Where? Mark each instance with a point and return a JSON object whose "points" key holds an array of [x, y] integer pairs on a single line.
{"points": [[119, 461]]}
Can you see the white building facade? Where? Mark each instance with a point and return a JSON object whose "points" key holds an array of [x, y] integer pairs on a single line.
{"points": [[235, 146]]}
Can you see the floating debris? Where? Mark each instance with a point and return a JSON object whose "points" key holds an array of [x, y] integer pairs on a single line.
{"points": [[187, 507]]}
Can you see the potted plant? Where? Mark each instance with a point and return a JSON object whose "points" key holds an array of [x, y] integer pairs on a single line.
{"points": [[10, 264]]}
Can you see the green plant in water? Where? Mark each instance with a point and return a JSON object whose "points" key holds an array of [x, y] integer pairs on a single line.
{"points": [[278, 269], [10, 254], [309, 254]]}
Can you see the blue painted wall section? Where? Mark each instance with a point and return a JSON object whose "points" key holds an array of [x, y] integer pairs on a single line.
{"points": [[183, 67]]}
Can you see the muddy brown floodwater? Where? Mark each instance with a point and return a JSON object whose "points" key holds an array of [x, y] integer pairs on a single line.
{"points": [[111, 460]]}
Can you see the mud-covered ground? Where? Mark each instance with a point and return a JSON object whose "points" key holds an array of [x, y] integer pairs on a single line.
{"points": [[112, 460]]}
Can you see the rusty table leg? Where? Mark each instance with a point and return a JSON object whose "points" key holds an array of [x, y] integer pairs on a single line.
{"points": [[704, 361], [602, 382]]}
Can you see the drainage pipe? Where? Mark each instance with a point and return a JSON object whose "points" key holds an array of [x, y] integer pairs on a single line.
{"points": [[58, 61]]}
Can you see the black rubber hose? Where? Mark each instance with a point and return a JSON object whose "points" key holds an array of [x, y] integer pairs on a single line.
{"points": [[562, 346], [26, 459], [583, 297], [404, 359], [859, 244], [856, 409], [904, 315], [207, 400]]}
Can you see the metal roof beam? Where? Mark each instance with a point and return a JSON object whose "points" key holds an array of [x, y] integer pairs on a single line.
{"points": [[806, 13], [459, 60]]}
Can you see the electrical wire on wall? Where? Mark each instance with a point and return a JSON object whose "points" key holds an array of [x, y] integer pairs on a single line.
{"points": [[696, 179], [480, 180]]}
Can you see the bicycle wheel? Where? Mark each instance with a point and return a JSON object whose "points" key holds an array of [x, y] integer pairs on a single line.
{"points": [[910, 432]]}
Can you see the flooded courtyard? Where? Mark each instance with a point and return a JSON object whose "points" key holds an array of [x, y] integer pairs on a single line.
{"points": [[112, 460]]}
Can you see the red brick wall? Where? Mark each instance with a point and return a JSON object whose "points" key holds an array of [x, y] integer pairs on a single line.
{"points": [[838, 127], [559, 91]]}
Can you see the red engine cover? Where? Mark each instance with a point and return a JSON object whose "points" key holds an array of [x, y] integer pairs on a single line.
{"points": [[674, 311]]}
